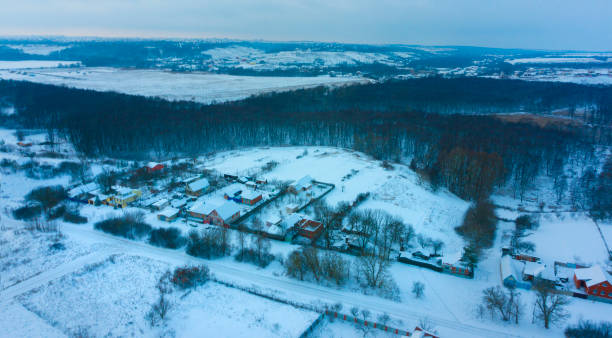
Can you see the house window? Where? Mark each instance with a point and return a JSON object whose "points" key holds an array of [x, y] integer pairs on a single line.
{"points": [[594, 291], [603, 293]]}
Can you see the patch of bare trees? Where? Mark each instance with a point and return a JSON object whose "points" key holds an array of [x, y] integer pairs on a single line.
{"points": [[309, 262]]}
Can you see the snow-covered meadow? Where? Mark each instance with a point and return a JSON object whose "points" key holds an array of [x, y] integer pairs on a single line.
{"points": [[198, 87]]}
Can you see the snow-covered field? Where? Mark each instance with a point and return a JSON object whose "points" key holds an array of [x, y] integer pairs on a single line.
{"points": [[112, 297], [38, 49], [34, 64], [199, 87], [556, 60], [247, 57]]}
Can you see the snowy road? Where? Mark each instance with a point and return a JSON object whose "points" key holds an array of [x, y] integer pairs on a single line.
{"points": [[285, 288]]}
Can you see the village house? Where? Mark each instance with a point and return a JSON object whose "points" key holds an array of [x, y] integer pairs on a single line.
{"points": [[124, 196], [197, 188], [169, 214], [225, 214], [511, 273], [594, 280], [250, 197], [152, 167], [302, 184], [309, 228], [200, 210], [221, 214]]}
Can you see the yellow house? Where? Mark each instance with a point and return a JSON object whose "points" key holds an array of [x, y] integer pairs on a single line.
{"points": [[125, 196]]}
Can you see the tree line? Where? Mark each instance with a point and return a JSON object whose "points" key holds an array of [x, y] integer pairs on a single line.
{"points": [[470, 154]]}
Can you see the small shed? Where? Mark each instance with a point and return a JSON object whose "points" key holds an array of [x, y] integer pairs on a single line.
{"points": [[160, 204], [168, 214]]}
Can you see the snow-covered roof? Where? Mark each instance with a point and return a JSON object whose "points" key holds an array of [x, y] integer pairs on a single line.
{"points": [[506, 267], [152, 165], [302, 183], [203, 208], [292, 219], [233, 190], [591, 276], [82, 189], [122, 190], [533, 268], [452, 259], [178, 203], [169, 212], [160, 203], [198, 185], [250, 194], [273, 219], [227, 210]]}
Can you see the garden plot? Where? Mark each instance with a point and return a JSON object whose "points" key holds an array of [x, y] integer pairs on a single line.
{"points": [[569, 237]]}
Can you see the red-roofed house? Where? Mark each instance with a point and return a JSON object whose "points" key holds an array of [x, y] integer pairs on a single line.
{"points": [[594, 281], [309, 228], [153, 167]]}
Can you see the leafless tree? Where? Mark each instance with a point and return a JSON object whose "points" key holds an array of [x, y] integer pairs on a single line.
{"points": [[295, 265], [506, 305], [549, 307], [373, 268], [418, 289]]}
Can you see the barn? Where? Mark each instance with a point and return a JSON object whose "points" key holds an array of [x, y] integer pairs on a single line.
{"points": [[594, 281]]}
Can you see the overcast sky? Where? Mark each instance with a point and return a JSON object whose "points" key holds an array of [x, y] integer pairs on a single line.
{"points": [[541, 24]]}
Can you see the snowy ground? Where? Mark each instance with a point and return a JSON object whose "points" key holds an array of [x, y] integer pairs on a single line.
{"points": [[121, 289], [199, 87], [398, 191], [127, 285]]}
